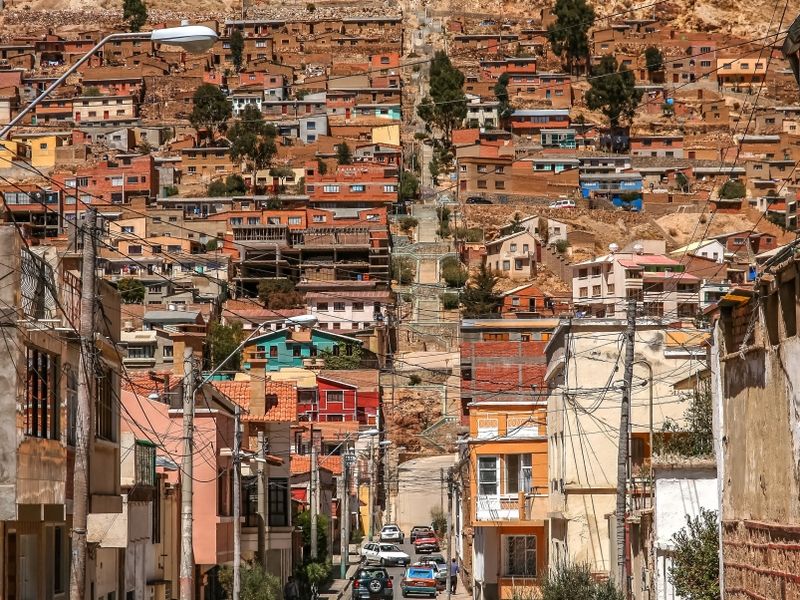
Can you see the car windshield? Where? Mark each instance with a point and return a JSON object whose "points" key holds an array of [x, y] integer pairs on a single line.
{"points": [[371, 574], [390, 528], [419, 574], [389, 548]]}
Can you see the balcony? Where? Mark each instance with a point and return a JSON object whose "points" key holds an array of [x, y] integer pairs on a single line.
{"points": [[523, 506]]}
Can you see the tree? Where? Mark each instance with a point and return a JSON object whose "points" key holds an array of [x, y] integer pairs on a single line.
{"points": [[232, 186], [255, 583], [342, 357], [409, 186], [696, 438], [211, 109], [501, 93], [732, 189], [134, 13], [322, 166], [434, 167], [453, 272], [304, 522], [544, 230], [568, 35], [613, 91], [403, 270], [92, 90], [446, 107], [253, 140], [407, 224], [224, 339], [575, 582], [279, 294], [131, 290], [479, 299], [343, 154], [237, 49], [695, 561], [653, 59]]}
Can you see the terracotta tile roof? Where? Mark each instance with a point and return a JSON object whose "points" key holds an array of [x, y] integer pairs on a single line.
{"points": [[142, 384], [301, 463], [365, 380], [281, 399]]}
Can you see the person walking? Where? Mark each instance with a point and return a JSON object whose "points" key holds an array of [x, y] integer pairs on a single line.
{"points": [[290, 590], [453, 576]]}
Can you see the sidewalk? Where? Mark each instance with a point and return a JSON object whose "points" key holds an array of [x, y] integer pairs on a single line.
{"points": [[338, 588]]}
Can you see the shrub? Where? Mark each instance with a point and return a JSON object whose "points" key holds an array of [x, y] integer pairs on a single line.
{"points": [[403, 270], [450, 301], [453, 272], [731, 189], [414, 379], [407, 224], [561, 246], [439, 520]]}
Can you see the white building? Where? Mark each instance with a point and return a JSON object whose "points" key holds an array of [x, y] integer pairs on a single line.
{"points": [[602, 286], [348, 311], [482, 113], [241, 100]]}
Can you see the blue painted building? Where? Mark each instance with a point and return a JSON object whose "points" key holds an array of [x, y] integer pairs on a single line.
{"points": [[289, 347], [613, 186]]}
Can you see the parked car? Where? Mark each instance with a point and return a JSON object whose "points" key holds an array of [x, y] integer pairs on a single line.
{"points": [[392, 533], [477, 200], [426, 544], [420, 531], [419, 580], [372, 583], [384, 555], [563, 204], [440, 569]]}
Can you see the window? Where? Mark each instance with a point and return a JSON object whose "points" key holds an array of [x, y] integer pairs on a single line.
{"points": [[145, 461], [322, 306], [273, 352], [166, 352], [278, 502], [512, 248], [520, 556], [358, 306], [104, 409], [389, 188], [41, 398], [487, 476], [338, 306], [336, 326], [481, 184], [135, 249], [59, 572], [296, 351], [253, 220], [318, 218], [359, 187], [595, 290], [295, 221], [334, 396], [525, 248], [72, 405], [506, 265], [311, 125], [518, 473], [117, 181], [583, 292], [518, 264], [330, 189], [127, 229]]}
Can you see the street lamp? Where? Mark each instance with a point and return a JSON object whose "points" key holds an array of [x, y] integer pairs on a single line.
{"points": [[192, 38]]}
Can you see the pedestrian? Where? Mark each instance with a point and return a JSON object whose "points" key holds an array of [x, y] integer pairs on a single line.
{"points": [[453, 576], [290, 591]]}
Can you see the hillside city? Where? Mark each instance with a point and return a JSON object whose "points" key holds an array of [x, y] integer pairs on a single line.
{"points": [[361, 300]]}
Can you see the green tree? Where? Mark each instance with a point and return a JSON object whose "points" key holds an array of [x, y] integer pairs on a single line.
{"points": [[407, 224], [696, 438], [403, 270], [131, 290], [211, 109], [322, 166], [453, 272], [575, 582], [544, 230], [237, 49], [343, 154], [134, 13], [409, 186], [501, 93], [170, 190], [434, 168], [613, 91], [653, 59], [253, 140], [216, 189], [450, 301], [568, 35], [342, 357], [279, 294], [304, 522], [446, 107], [731, 189], [682, 182], [255, 583], [479, 299], [695, 560], [234, 185], [212, 245], [224, 339], [92, 91]]}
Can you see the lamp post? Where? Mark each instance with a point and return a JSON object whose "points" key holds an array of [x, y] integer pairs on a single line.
{"points": [[192, 38]]}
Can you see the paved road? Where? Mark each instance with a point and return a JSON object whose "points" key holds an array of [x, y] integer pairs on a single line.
{"points": [[397, 572]]}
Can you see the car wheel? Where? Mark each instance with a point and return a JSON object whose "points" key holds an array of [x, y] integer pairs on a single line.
{"points": [[383, 562]]}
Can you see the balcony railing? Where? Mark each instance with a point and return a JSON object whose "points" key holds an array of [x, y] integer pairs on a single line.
{"points": [[523, 506]]}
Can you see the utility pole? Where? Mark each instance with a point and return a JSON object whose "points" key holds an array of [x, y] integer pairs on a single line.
{"points": [[313, 496], [624, 445], [371, 507], [84, 434], [441, 489], [344, 518], [237, 526], [187, 552], [262, 500], [386, 499], [449, 534]]}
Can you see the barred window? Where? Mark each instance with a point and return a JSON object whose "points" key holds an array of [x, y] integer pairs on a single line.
{"points": [[41, 397], [145, 459], [520, 555], [104, 409]]}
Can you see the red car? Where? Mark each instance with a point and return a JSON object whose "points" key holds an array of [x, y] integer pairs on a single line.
{"points": [[426, 544]]}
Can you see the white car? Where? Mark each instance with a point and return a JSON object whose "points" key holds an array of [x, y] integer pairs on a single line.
{"points": [[391, 533], [384, 555], [563, 204]]}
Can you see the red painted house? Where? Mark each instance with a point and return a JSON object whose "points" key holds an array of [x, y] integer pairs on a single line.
{"points": [[110, 181], [343, 395]]}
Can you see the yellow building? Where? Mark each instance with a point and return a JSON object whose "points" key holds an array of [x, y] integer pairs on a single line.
{"points": [[41, 147], [741, 73], [508, 497], [12, 150]]}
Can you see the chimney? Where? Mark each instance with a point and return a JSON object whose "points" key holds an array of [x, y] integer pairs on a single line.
{"points": [[180, 340], [258, 373]]}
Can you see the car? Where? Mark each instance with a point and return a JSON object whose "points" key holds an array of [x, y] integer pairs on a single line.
{"points": [[420, 531], [563, 204], [384, 555], [372, 583], [428, 543], [419, 580], [392, 533], [440, 569], [477, 200]]}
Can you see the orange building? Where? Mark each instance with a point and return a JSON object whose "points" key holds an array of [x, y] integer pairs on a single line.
{"points": [[361, 185], [110, 181]]}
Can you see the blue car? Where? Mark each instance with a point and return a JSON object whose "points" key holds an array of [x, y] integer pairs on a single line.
{"points": [[419, 580]]}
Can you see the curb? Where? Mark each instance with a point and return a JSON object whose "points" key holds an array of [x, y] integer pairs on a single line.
{"points": [[351, 569]]}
